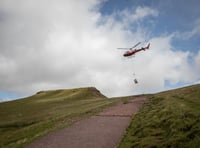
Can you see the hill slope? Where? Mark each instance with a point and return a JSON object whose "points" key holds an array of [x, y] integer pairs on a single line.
{"points": [[169, 119], [23, 120]]}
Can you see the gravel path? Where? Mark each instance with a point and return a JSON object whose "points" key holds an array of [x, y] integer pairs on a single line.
{"points": [[103, 130]]}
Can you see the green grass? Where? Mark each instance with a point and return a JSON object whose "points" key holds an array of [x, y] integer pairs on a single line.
{"points": [[24, 120], [168, 119]]}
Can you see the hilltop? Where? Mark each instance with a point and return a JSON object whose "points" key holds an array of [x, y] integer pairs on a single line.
{"points": [[76, 93], [23, 120]]}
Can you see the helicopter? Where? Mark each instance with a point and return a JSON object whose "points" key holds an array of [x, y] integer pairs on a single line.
{"points": [[133, 52]]}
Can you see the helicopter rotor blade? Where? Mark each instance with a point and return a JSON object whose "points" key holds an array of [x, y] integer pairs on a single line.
{"points": [[123, 48], [131, 47], [135, 45]]}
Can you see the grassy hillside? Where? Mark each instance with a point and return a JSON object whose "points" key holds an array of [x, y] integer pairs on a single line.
{"points": [[169, 119], [23, 120]]}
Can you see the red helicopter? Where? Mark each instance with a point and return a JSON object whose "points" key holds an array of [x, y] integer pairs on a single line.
{"points": [[133, 52]]}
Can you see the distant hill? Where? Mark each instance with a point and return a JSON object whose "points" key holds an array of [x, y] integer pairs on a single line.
{"points": [[26, 119], [77, 93], [169, 119]]}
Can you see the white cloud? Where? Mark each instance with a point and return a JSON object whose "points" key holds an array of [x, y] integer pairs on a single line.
{"points": [[197, 61], [65, 44], [140, 13], [130, 16], [195, 31]]}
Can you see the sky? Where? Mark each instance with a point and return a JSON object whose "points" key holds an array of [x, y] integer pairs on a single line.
{"points": [[62, 44]]}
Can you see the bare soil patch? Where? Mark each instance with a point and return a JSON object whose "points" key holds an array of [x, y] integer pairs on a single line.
{"points": [[103, 130]]}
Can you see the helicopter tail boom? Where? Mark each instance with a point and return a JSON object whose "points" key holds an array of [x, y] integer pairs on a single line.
{"points": [[148, 46]]}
